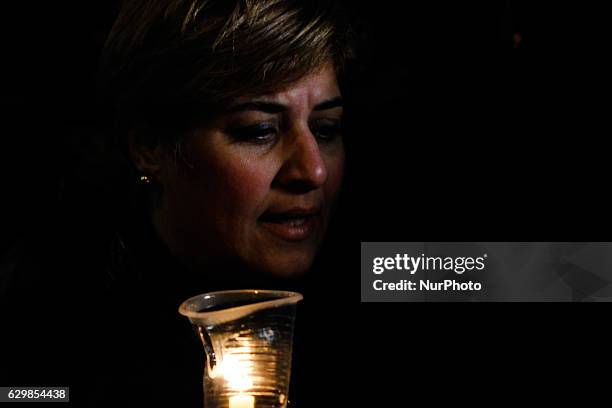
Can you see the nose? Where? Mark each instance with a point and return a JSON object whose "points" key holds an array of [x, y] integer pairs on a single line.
{"points": [[303, 167]]}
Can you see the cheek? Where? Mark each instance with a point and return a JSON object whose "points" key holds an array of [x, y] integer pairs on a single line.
{"points": [[238, 184]]}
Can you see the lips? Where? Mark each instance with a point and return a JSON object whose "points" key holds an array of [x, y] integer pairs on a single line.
{"points": [[295, 224]]}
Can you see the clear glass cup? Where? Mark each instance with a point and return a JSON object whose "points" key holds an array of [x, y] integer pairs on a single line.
{"points": [[248, 338]]}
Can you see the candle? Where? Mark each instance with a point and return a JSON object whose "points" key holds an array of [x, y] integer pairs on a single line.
{"points": [[242, 401], [247, 337]]}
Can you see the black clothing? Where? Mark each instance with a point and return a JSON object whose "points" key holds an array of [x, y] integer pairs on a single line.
{"points": [[94, 307]]}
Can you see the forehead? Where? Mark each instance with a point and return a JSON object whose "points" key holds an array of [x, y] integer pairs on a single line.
{"points": [[308, 91]]}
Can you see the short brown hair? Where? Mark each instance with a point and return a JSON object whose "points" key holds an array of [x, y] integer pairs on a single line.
{"points": [[167, 61]]}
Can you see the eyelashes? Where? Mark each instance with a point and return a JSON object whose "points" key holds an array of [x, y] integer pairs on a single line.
{"points": [[263, 133], [258, 133], [326, 129]]}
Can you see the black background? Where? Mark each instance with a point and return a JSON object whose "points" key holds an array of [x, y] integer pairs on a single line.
{"points": [[454, 134]]}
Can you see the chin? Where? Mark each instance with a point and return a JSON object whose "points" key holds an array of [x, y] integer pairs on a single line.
{"points": [[284, 266]]}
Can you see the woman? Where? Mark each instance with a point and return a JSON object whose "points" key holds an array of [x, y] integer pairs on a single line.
{"points": [[229, 115], [232, 112]]}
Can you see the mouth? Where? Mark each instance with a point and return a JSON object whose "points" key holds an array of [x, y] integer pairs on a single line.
{"points": [[296, 224]]}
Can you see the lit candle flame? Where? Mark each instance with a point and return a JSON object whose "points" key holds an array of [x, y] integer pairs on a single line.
{"points": [[236, 371]]}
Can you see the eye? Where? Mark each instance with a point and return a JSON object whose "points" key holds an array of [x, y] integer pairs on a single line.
{"points": [[259, 133], [326, 129]]}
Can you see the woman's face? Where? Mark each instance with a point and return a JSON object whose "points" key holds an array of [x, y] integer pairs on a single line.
{"points": [[259, 180]]}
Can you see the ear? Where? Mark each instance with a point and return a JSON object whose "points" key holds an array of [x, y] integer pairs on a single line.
{"points": [[147, 157]]}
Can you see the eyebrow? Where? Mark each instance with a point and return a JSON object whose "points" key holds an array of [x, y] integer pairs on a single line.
{"points": [[275, 107]]}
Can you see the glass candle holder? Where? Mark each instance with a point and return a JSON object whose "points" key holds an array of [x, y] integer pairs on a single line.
{"points": [[248, 338]]}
